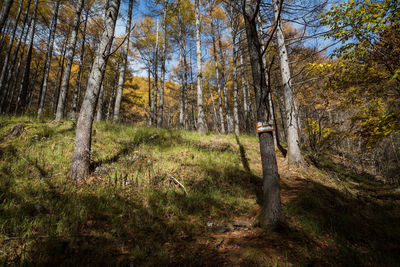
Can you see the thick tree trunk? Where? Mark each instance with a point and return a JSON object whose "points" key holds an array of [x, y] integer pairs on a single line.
{"points": [[272, 208], [121, 80], [4, 12], [201, 127], [294, 153], [22, 97], [83, 136], [47, 64], [219, 82], [78, 83], [69, 60]]}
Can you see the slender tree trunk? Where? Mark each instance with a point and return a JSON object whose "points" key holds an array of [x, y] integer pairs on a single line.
{"points": [[83, 136], [221, 111], [234, 26], [12, 84], [69, 60], [112, 96], [272, 208], [99, 114], [7, 67], [4, 12], [22, 97], [294, 153], [155, 80], [245, 87], [163, 60], [214, 110], [47, 64], [60, 72], [77, 87], [185, 88], [150, 100], [121, 80], [201, 127], [228, 115]]}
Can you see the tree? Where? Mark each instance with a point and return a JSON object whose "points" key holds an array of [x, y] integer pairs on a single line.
{"points": [[163, 60], [122, 70], [47, 62], [4, 13], [272, 208], [69, 60], [201, 127], [81, 158], [291, 113]]}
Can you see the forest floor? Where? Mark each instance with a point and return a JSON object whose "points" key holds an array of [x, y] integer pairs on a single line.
{"points": [[132, 210]]}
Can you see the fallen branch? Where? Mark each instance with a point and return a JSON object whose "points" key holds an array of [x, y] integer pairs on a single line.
{"points": [[176, 181]]}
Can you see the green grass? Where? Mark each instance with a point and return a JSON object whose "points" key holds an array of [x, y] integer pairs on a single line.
{"points": [[131, 212]]}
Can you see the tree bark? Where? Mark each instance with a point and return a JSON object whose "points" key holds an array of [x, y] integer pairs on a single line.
{"points": [[83, 136], [99, 114], [294, 153], [228, 115], [245, 87], [155, 80], [234, 26], [6, 63], [219, 82], [201, 127], [47, 64], [272, 209], [22, 97], [121, 80], [75, 99], [163, 60], [4, 12], [69, 60]]}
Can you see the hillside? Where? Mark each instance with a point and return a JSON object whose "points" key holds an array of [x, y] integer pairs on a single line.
{"points": [[162, 197]]}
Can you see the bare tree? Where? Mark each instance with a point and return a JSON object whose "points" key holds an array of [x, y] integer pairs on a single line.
{"points": [[122, 71], [47, 64], [81, 158], [4, 12], [272, 208], [69, 60], [201, 127]]}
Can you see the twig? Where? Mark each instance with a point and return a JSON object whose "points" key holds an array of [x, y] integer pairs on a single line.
{"points": [[176, 181]]}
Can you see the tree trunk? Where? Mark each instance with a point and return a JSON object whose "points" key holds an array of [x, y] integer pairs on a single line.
{"points": [[121, 80], [149, 97], [219, 82], [22, 97], [155, 80], [47, 64], [69, 60], [245, 87], [60, 71], [185, 88], [75, 99], [214, 110], [4, 12], [163, 60], [99, 114], [234, 26], [112, 96], [201, 127], [83, 136], [272, 208], [294, 153], [228, 115], [6, 63]]}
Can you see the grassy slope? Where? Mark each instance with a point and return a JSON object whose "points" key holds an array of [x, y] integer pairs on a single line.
{"points": [[131, 211]]}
